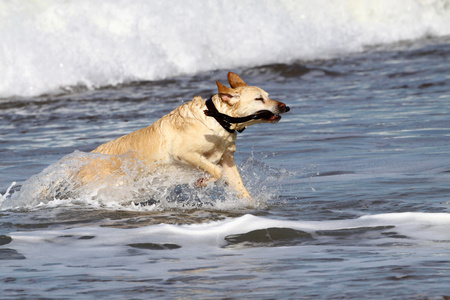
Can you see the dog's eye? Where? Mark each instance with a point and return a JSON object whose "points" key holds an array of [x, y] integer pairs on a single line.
{"points": [[260, 99]]}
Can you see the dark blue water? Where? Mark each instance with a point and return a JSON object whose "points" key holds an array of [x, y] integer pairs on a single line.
{"points": [[353, 184]]}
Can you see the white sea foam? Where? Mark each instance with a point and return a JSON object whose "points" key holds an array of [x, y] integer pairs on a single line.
{"points": [[52, 45], [395, 246], [419, 228]]}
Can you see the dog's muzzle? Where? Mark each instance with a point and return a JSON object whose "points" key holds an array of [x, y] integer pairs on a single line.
{"points": [[269, 116]]}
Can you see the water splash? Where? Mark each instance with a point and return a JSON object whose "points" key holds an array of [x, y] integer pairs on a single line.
{"points": [[7, 193], [130, 190]]}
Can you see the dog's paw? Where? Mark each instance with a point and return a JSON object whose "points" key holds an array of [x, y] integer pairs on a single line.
{"points": [[201, 182]]}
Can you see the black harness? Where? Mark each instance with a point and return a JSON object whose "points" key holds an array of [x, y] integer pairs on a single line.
{"points": [[226, 121]]}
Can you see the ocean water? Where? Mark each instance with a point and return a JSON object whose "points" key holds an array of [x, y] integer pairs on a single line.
{"points": [[352, 185]]}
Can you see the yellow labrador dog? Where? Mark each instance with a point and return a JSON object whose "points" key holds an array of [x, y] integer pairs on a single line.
{"points": [[200, 134]]}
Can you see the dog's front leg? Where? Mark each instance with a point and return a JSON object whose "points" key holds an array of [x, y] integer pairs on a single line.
{"points": [[199, 161], [233, 177]]}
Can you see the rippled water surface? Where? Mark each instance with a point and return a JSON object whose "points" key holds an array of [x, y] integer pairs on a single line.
{"points": [[353, 187]]}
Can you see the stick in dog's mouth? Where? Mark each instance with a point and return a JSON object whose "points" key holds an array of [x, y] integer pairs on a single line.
{"points": [[270, 116], [262, 114]]}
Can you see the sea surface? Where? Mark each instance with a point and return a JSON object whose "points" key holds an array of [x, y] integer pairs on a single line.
{"points": [[352, 186]]}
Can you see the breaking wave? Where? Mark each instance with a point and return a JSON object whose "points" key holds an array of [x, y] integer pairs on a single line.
{"points": [[52, 46]]}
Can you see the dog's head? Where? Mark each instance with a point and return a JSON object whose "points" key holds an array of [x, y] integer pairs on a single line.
{"points": [[247, 100]]}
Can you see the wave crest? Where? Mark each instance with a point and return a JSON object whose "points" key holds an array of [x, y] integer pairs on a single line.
{"points": [[52, 45]]}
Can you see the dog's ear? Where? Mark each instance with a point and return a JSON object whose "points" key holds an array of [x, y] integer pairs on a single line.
{"points": [[235, 81], [227, 94]]}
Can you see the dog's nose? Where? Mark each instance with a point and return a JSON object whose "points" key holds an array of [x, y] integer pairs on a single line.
{"points": [[283, 107]]}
